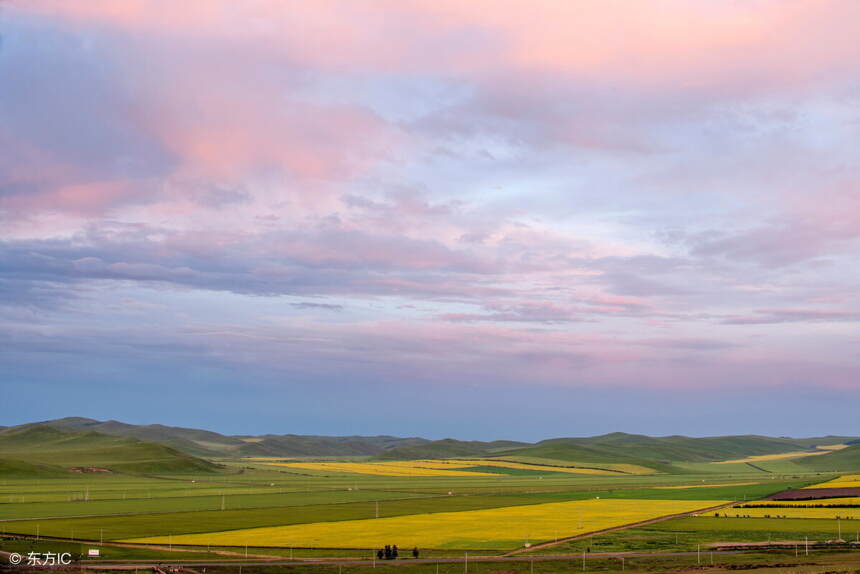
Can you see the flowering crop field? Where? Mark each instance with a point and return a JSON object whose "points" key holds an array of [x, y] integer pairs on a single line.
{"points": [[818, 502], [467, 463], [461, 467], [444, 464], [378, 469], [498, 528], [795, 512], [785, 455], [847, 481]]}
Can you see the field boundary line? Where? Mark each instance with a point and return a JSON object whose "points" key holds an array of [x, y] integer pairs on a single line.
{"points": [[617, 528]]}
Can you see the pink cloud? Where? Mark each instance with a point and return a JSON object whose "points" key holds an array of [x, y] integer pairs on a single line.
{"points": [[672, 43], [283, 167]]}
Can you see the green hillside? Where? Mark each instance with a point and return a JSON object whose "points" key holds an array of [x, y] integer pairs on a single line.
{"points": [[563, 450], [622, 447], [206, 443], [312, 446], [40, 446], [177, 447], [448, 448], [825, 440], [20, 469], [847, 459], [192, 441]]}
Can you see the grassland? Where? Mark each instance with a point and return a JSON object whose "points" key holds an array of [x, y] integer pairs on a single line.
{"points": [[45, 451], [191, 503], [689, 533], [489, 503], [172, 511]]}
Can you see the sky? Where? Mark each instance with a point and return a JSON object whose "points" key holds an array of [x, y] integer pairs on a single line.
{"points": [[480, 219]]}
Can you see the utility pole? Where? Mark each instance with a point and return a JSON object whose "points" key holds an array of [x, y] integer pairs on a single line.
{"points": [[699, 553], [807, 545], [466, 563], [377, 509]]}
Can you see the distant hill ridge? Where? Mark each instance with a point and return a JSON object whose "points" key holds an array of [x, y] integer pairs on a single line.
{"points": [[658, 453], [211, 444], [43, 450]]}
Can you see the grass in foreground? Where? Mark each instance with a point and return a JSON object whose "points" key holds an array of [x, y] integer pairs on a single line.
{"points": [[686, 534]]}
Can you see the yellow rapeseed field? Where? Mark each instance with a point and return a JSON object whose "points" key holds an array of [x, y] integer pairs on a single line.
{"points": [[797, 512], [815, 502], [433, 467], [496, 528], [796, 454], [377, 468], [467, 463], [849, 480], [541, 461]]}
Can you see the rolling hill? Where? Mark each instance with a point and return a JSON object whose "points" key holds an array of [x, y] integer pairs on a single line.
{"points": [[41, 450], [623, 447], [449, 448], [213, 445], [847, 459], [661, 454], [19, 469]]}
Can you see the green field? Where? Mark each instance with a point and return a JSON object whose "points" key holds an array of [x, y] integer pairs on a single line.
{"points": [[62, 489], [687, 534]]}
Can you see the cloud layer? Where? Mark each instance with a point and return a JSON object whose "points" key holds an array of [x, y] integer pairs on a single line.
{"points": [[591, 197]]}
